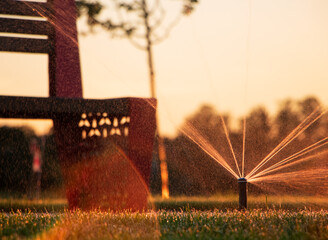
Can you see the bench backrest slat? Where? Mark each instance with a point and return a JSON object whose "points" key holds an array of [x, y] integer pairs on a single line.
{"points": [[8, 25], [23, 8], [25, 45]]}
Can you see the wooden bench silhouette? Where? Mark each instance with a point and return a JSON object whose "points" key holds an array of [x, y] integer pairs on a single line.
{"points": [[105, 146]]}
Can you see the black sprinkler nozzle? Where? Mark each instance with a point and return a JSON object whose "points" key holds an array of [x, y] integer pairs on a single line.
{"points": [[242, 185]]}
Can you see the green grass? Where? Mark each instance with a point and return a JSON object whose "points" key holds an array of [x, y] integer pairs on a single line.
{"points": [[253, 224], [22, 225], [230, 202], [42, 205], [215, 217], [105, 225], [222, 202]]}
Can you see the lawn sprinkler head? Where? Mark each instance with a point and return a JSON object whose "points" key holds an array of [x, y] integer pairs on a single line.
{"points": [[242, 185]]}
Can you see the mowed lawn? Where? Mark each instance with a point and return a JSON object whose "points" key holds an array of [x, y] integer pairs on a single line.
{"points": [[269, 222]]}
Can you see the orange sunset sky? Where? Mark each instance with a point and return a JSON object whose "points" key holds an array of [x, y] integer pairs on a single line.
{"points": [[234, 55]]}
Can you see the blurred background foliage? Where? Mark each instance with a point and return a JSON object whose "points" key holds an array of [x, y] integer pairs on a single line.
{"points": [[191, 170]]}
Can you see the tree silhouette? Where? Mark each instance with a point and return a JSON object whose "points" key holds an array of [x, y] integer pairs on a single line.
{"points": [[201, 174], [307, 106], [15, 160], [286, 119], [258, 137]]}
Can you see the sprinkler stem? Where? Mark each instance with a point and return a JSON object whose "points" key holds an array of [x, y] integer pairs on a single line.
{"points": [[242, 185]]}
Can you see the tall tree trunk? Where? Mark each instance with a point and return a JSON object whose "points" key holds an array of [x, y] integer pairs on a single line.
{"points": [[160, 142]]}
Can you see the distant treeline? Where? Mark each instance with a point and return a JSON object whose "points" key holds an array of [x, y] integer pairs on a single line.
{"points": [[191, 170]]}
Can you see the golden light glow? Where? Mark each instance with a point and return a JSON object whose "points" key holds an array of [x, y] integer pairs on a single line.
{"points": [[204, 60]]}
